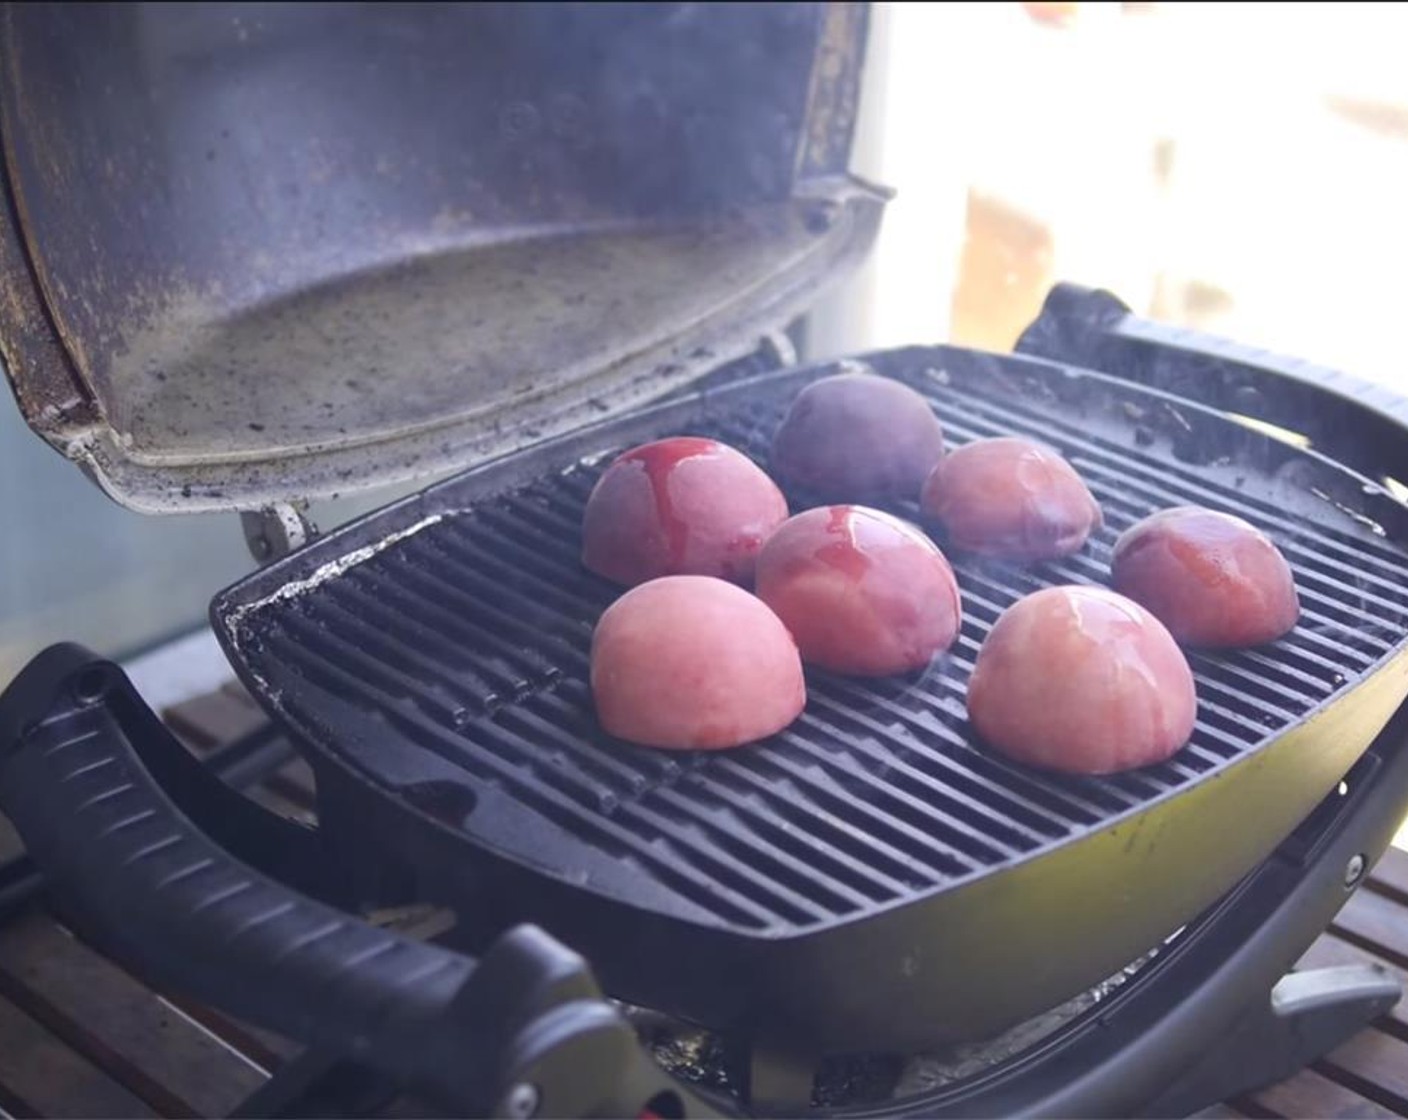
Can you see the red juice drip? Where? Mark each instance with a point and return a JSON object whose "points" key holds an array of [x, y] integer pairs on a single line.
{"points": [[660, 460], [845, 553]]}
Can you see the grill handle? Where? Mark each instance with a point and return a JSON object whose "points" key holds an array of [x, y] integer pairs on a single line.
{"points": [[1359, 424], [136, 875]]}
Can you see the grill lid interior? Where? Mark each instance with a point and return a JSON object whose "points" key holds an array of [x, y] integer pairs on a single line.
{"points": [[284, 252]]}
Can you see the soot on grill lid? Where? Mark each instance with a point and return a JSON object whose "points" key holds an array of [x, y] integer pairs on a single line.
{"points": [[264, 254]]}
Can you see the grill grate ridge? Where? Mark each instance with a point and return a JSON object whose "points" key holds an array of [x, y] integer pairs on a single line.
{"points": [[746, 769]]}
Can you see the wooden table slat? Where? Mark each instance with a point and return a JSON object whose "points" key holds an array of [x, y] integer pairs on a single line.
{"points": [[1377, 923], [1218, 1112], [1312, 1094], [43, 1077], [237, 692], [1390, 875], [274, 800], [118, 1024], [296, 782], [265, 1048], [1375, 1064], [215, 718]]}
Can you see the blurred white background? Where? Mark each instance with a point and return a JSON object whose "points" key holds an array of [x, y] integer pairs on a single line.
{"points": [[1237, 167]]}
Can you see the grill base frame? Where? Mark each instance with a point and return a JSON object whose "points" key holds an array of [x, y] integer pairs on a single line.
{"points": [[885, 970]]}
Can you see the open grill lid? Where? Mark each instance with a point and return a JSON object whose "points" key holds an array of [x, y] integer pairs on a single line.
{"points": [[254, 255]]}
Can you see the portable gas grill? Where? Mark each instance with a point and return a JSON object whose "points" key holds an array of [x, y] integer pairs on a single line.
{"points": [[257, 256]]}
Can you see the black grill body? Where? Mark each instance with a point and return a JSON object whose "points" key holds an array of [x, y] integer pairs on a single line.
{"points": [[193, 887], [872, 877]]}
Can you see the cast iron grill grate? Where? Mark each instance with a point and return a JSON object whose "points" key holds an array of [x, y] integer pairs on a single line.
{"points": [[470, 639]]}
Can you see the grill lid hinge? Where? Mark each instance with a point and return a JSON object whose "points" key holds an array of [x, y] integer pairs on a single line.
{"points": [[276, 531]]}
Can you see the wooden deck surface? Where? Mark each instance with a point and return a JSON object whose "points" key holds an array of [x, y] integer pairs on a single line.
{"points": [[79, 1037]]}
